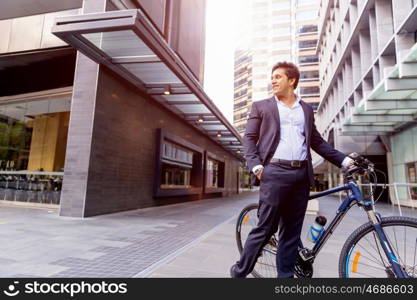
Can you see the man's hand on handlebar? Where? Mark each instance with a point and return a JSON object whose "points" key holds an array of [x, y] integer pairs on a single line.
{"points": [[358, 165]]}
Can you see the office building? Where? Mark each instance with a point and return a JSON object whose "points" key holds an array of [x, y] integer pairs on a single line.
{"points": [[102, 107], [275, 30], [368, 72]]}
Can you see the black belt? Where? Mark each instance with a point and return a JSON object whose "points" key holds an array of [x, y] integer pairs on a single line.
{"points": [[289, 163]]}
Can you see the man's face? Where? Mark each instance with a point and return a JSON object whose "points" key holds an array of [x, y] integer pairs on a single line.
{"points": [[280, 82]]}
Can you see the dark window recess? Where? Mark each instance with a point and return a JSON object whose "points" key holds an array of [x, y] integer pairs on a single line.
{"points": [[308, 59], [241, 71], [412, 178], [307, 44], [242, 59], [240, 105], [177, 165], [309, 74], [241, 93], [308, 90], [241, 115], [240, 82], [34, 72], [307, 28]]}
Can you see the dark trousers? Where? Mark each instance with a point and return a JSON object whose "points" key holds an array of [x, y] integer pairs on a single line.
{"points": [[282, 204]]}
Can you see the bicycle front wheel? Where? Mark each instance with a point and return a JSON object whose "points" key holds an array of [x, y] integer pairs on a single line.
{"points": [[363, 256], [266, 263]]}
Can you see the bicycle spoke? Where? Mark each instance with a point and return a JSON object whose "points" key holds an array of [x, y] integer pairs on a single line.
{"points": [[375, 260], [376, 239], [372, 267], [376, 250], [396, 251]]}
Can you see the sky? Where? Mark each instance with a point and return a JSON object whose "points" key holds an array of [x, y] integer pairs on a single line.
{"points": [[221, 17]]}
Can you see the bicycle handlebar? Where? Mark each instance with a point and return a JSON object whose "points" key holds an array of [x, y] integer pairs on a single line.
{"points": [[361, 165]]}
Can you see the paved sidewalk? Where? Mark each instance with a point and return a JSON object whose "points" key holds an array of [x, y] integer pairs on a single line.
{"points": [[213, 255], [40, 243], [193, 239]]}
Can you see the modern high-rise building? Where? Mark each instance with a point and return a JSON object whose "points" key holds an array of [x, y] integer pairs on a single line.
{"points": [[104, 99], [368, 83], [273, 31]]}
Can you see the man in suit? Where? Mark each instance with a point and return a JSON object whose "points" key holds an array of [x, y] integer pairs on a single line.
{"points": [[279, 134]]}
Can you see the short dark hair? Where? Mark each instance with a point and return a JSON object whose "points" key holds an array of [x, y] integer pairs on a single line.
{"points": [[291, 70]]}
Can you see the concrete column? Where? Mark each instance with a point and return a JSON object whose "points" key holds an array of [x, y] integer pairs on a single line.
{"points": [[384, 21], [356, 65], [348, 78], [401, 9], [376, 75], [365, 50], [373, 34], [80, 132], [353, 12], [385, 62], [403, 43]]}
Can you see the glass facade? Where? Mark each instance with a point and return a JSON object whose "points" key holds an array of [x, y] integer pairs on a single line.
{"points": [[404, 158], [33, 138]]}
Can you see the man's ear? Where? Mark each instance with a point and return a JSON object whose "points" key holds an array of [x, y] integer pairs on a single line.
{"points": [[291, 81]]}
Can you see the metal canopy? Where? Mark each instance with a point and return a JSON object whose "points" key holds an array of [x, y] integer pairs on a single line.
{"points": [[392, 104], [126, 42]]}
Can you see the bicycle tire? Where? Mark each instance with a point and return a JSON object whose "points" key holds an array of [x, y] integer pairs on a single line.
{"points": [[251, 211], [360, 233]]}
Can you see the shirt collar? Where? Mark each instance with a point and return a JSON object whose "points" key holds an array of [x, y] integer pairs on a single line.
{"points": [[296, 104]]}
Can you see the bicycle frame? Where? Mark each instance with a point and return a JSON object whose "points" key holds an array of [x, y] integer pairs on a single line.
{"points": [[355, 197]]}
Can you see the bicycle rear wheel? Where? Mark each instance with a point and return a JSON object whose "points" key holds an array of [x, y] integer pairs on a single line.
{"points": [[266, 263], [362, 255]]}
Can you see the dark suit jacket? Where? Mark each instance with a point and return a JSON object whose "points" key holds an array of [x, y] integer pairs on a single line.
{"points": [[263, 134]]}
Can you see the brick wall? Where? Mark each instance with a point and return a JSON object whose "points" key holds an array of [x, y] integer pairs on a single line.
{"points": [[123, 149]]}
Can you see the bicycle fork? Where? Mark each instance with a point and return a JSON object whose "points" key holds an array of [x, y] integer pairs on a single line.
{"points": [[375, 219]]}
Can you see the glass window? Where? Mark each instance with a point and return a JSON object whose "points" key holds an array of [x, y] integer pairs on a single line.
{"points": [[307, 44], [214, 173], [309, 90], [412, 178], [240, 105], [28, 132], [307, 28], [284, 18], [177, 163], [281, 31], [306, 15], [282, 45], [33, 138], [309, 75], [282, 57], [281, 5], [308, 59]]}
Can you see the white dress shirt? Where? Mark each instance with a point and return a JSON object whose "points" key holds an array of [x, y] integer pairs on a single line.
{"points": [[292, 144]]}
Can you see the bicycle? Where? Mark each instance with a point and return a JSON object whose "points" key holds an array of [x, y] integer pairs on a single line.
{"points": [[372, 250]]}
